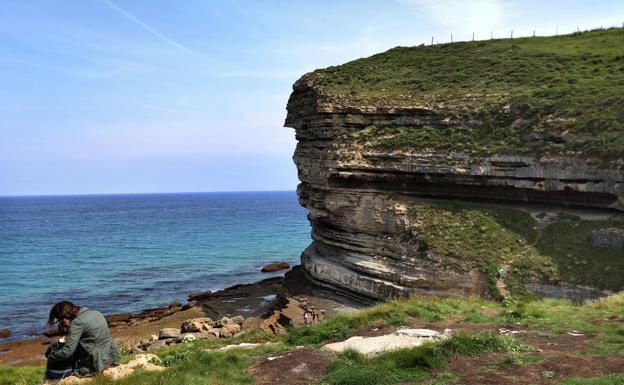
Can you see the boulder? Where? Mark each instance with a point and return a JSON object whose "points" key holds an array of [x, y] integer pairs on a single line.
{"points": [[189, 304], [243, 346], [271, 267], [212, 331], [229, 330], [401, 339], [4, 333], [168, 333], [147, 362], [194, 325], [71, 380], [156, 345], [152, 338], [223, 321], [251, 323], [207, 335], [239, 319]]}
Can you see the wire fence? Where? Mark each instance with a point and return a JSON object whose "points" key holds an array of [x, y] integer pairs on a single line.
{"points": [[511, 35]]}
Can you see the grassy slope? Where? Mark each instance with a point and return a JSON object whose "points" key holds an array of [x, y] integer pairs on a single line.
{"points": [[192, 364], [470, 235], [569, 91]]}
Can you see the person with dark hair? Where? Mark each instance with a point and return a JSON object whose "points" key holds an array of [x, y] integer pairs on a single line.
{"points": [[88, 345]]}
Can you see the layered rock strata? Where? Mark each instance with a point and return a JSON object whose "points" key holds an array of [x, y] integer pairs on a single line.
{"points": [[359, 197]]}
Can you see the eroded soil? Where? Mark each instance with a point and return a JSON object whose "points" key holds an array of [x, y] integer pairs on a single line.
{"points": [[295, 367]]}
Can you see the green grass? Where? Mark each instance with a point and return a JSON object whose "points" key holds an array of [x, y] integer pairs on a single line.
{"points": [[463, 236], [466, 236], [200, 367], [20, 375], [519, 359], [192, 364], [559, 316], [473, 235], [568, 244], [443, 379], [568, 91], [352, 368]]}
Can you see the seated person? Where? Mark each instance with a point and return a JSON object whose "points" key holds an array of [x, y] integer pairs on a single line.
{"points": [[89, 345]]}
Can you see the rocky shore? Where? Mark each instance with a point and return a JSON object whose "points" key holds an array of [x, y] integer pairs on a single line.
{"points": [[271, 305]]}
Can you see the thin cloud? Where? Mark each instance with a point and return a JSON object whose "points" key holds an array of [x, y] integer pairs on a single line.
{"points": [[462, 15], [146, 27]]}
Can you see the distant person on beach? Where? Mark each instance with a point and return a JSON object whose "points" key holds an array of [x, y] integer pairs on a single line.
{"points": [[88, 345]]}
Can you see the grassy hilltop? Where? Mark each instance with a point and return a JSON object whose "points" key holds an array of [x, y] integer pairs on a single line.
{"points": [[551, 96], [537, 95]]}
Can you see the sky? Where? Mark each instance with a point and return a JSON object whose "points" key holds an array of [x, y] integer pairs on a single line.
{"points": [[137, 96]]}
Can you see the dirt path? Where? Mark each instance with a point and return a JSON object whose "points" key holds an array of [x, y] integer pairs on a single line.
{"points": [[500, 280], [494, 369], [296, 367]]}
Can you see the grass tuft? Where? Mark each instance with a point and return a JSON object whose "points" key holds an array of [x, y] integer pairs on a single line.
{"points": [[352, 368]]}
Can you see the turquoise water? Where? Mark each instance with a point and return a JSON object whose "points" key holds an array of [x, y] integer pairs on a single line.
{"points": [[119, 253]]}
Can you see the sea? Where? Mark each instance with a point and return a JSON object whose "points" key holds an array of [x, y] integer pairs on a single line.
{"points": [[124, 253]]}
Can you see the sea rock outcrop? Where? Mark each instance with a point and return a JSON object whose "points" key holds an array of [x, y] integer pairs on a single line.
{"points": [[388, 176], [272, 267]]}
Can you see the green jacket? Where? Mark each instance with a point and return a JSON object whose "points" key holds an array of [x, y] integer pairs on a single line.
{"points": [[89, 344]]}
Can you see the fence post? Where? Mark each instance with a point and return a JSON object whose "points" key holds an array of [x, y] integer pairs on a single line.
{"points": [[557, 31], [512, 33], [533, 33], [473, 36], [431, 40], [451, 38]]}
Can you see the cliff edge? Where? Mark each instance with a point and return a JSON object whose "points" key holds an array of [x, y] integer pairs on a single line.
{"points": [[425, 169]]}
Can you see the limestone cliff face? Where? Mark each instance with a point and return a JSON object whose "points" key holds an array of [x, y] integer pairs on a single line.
{"points": [[368, 238]]}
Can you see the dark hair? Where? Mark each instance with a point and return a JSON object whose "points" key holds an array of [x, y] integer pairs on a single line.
{"points": [[63, 309]]}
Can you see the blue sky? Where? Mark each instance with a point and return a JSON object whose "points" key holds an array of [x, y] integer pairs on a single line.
{"points": [[121, 96]]}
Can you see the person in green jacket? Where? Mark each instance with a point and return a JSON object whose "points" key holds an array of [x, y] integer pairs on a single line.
{"points": [[88, 345]]}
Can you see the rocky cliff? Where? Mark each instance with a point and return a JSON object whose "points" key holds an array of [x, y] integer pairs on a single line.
{"points": [[425, 169]]}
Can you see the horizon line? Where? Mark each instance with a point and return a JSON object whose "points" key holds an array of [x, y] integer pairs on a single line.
{"points": [[139, 193]]}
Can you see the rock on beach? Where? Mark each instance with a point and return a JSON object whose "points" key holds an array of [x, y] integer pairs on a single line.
{"points": [[194, 325], [271, 267], [169, 333]]}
